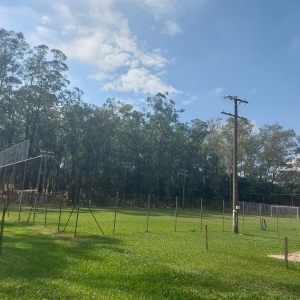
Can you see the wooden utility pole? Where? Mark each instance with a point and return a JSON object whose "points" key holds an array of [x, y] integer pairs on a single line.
{"points": [[235, 226]]}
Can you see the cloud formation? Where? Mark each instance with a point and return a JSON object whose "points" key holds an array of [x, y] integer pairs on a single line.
{"points": [[216, 92], [171, 28], [121, 62], [190, 99], [97, 34], [139, 80], [158, 8]]}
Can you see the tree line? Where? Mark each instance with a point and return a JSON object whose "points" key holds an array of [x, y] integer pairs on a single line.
{"points": [[99, 150]]}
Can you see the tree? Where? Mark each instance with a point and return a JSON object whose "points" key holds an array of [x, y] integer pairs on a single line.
{"points": [[90, 144], [159, 132], [13, 51], [44, 81], [277, 147]]}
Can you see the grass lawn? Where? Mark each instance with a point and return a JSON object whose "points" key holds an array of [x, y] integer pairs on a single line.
{"points": [[39, 262]]}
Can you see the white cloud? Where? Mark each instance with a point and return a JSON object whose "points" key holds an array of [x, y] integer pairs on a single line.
{"points": [[116, 60], [171, 28], [104, 14], [45, 19], [110, 52], [68, 29], [100, 76], [126, 43], [216, 92], [97, 33], [161, 9], [44, 32], [152, 59], [158, 8], [190, 100], [64, 12], [137, 81]]}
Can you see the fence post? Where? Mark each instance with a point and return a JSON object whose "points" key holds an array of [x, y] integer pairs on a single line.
{"points": [[148, 213], [116, 206], [291, 216], [276, 217], [223, 213], [201, 215], [285, 252], [243, 215], [176, 207], [206, 238]]}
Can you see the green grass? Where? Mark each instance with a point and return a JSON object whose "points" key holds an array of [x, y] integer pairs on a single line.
{"points": [[40, 263]]}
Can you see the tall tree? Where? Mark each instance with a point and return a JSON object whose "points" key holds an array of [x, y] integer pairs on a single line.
{"points": [[13, 51], [44, 81], [159, 131], [277, 147]]}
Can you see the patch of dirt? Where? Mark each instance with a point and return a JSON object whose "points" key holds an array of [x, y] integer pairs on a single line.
{"points": [[291, 257]]}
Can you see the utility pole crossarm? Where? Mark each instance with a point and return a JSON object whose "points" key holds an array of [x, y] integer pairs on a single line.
{"points": [[236, 99], [226, 113], [232, 115]]}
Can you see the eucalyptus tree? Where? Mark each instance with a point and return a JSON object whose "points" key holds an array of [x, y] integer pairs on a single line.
{"points": [[43, 83], [188, 158], [180, 157], [288, 177], [136, 137], [57, 140], [108, 123], [277, 147], [75, 117], [162, 116], [131, 150], [13, 51], [248, 149], [217, 158], [194, 155], [220, 150]]}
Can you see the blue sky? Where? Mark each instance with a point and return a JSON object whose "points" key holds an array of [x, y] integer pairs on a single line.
{"points": [[197, 50]]}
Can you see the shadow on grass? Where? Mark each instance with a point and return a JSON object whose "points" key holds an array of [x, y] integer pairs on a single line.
{"points": [[30, 248], [38, 265], [32, 260], [257, 236], [143, 212]]}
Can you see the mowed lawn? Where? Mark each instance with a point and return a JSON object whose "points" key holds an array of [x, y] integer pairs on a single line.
{"points": [[38, 262]]}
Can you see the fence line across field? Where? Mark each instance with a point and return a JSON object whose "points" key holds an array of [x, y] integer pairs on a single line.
{"points": [[38, 203]]}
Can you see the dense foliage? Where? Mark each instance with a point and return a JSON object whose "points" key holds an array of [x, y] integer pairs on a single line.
{"points": [[101, 150]]}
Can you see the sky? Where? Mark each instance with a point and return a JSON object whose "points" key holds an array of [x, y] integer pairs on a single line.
{"points": [[196, 50]]}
